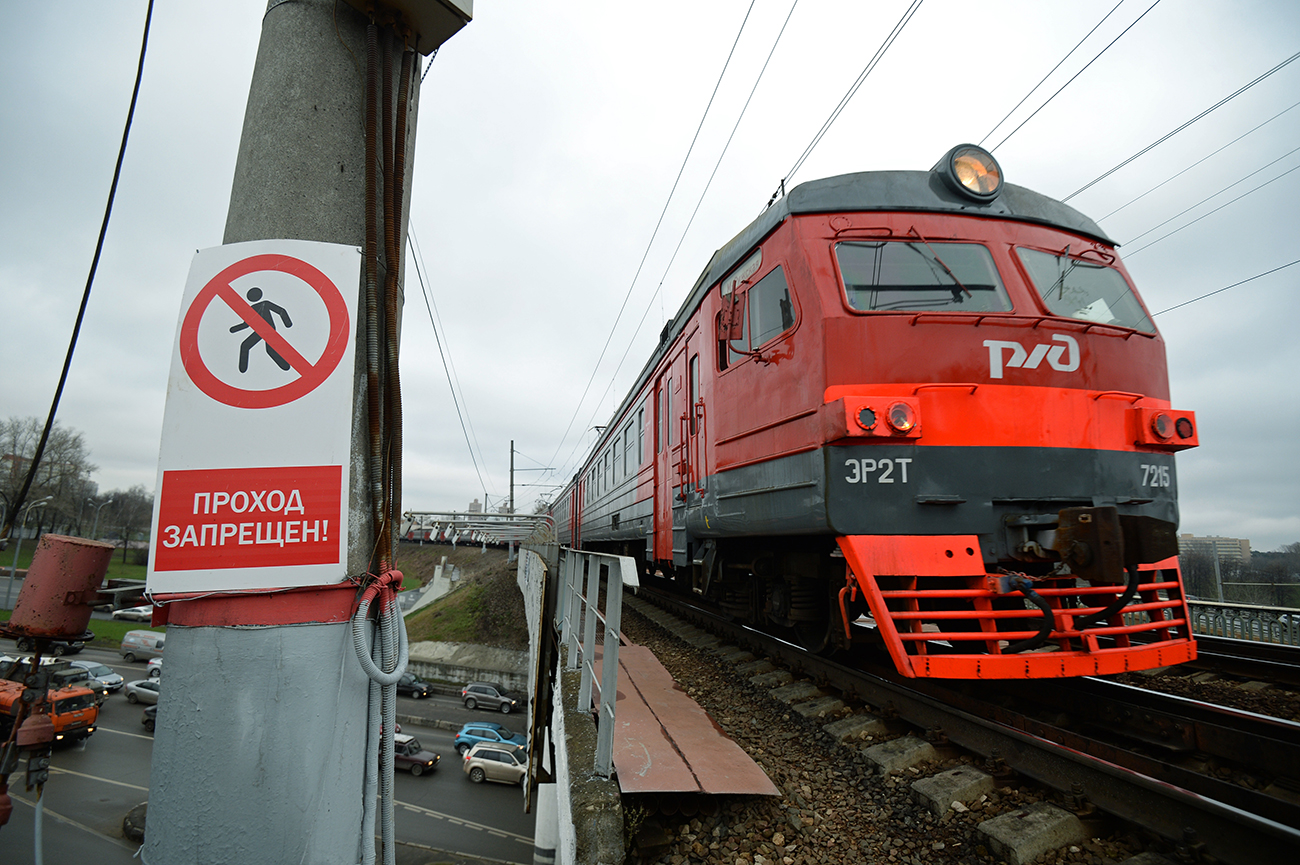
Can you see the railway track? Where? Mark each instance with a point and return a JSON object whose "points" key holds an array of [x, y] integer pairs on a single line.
{"points": [[1219, 784]]}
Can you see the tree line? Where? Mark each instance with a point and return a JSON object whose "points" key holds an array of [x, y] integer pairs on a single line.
{"points": [[1268, 579], [63, 498]]}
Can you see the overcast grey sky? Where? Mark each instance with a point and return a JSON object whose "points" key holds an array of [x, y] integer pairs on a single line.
{"points": [[549, 138]]}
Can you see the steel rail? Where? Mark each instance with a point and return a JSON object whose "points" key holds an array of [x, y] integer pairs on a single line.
{"points": [[1197, 822]]}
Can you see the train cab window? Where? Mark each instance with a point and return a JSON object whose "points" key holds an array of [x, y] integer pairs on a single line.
{"points": [[890, 276], [1086, 290], [771, 312]]}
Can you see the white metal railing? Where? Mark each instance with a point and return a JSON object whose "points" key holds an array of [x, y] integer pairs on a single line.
{"points": [[1246, 622], [579, 603]]}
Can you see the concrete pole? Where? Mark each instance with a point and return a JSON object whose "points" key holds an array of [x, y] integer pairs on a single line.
{"points": [[259, 751]]}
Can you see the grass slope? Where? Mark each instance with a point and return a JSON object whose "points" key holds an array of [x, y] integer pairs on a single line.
{"points": [[485, 608]]}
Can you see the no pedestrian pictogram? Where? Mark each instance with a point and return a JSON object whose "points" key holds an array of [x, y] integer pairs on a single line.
{"points": [[259, 316]]}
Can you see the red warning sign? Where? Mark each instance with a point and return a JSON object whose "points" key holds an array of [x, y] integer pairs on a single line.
{"points": [[258, 316], [243, 518]]}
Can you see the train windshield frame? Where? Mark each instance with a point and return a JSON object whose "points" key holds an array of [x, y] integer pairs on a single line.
{"points": [[1073, 287], [924, 276]]}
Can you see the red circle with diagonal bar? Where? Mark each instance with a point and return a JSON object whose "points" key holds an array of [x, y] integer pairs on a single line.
{"points": [[310, 375]]}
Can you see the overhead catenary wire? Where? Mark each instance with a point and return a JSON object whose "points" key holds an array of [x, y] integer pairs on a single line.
{"points": [[448, 357], [424, 290], [627, 296], [1073, 77], [1067, 56], [1226, 287], [844, 100], [1162, 139], [17, 503]]}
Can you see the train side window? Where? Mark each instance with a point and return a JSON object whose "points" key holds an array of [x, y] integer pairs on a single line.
{"points": [[771, 312], [640, 436], [627, 448], [616, 472], [659, 413]]}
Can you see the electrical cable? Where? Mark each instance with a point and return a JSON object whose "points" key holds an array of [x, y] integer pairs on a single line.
{"points": [[424, 290], [653, 234], [1072, 77], [1211, 212], [1224, 101], [85, 295], [844, 101], [1225, 288], [1069, 54], [1199, 161]]}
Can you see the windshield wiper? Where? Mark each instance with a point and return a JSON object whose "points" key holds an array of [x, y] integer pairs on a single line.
{"points": [[946, 268]]}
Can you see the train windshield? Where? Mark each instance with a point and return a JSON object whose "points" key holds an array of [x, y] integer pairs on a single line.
{"points": [[924, 276], [1089, 291]]}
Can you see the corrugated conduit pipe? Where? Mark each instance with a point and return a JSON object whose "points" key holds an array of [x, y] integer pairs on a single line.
{"points": [[390, 644]]}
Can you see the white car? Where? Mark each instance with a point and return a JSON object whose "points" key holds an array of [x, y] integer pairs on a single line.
{"points": [[154, 668], [142, 691], [135, 614]]}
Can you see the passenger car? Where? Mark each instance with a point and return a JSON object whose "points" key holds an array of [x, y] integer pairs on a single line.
{"points": [[111, 681], [507, 764], [414, 686], [486, 731], [142, 691], [409, 755], [135, 614], [150, 717], [490, 696], [54, 647], [154, 668]]}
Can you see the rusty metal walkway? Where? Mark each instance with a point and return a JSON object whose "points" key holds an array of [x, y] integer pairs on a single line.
{"points": [[665, 743]]}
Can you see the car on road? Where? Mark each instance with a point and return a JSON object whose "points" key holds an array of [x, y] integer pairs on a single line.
{"points": [[150, 717], [154, 668], [505, 763], [142, 645], [408, 754], [53, 647], [414, 686], [135, 614], [142, 691], [487, 731], [490, 695], [111, 681]]}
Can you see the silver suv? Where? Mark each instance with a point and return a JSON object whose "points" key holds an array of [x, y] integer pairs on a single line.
{"points": [[489, 695], [502, 763]]}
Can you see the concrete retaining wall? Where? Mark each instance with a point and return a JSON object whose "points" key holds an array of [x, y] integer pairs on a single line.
{"points": [[464, 663]]}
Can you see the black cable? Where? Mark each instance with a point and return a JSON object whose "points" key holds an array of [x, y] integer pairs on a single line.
{"points": [[425, 293], [844, 101], [653, 235], [90, 281], [1074, 76], [1199, 161], [1224, 101], [1053, 71], [1225, 288]]}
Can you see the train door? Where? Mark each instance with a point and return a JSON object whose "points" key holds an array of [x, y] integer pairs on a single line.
{"points": [[670, 524]]}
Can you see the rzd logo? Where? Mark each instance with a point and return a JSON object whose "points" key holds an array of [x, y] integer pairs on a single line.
{"points": [[1062, 358]]}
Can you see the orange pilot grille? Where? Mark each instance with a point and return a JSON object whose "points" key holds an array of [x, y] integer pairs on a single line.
{"points": [[937, 621]]}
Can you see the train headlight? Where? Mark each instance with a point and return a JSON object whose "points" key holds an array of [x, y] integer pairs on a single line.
{"points": [[901, 417], [866, 418], [1185, 428], [971, 171], [1163, 426], [1165, 429]]}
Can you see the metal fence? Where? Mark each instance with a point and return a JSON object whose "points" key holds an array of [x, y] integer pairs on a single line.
{"points": [[578, 606], [1246, 622]]}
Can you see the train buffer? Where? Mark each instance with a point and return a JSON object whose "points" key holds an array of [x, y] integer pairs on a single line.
{"points": [[664, 743]]}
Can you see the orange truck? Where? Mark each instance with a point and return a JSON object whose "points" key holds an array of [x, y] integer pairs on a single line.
{"points": [[73, 710]]}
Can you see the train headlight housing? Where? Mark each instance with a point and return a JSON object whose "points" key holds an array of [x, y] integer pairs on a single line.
{"points": [[971, 171], [901, 418], [1163, 426], [866, 417], [1164, 429]]}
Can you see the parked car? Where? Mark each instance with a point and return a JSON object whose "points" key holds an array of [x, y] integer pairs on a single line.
{"points": [[154, 668], [409, 755], [135, 614], [142, 691], [413, 685], [487, 731], [142, 644], [505, 763], [490, 695], [150, 717], [111, 681], [53, 647]]}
